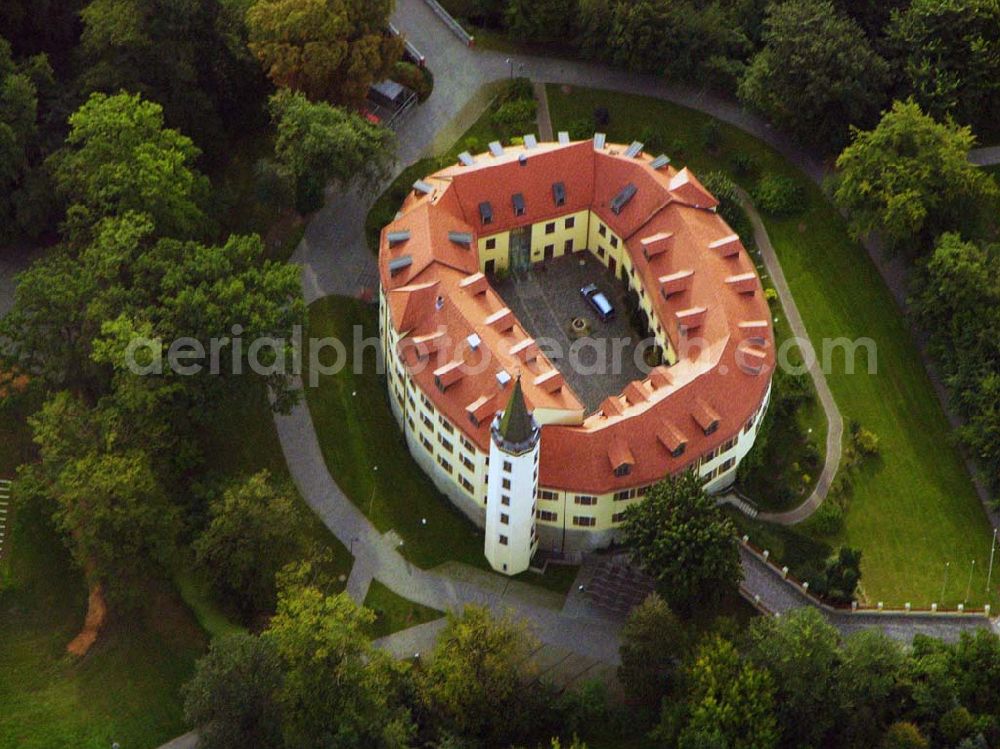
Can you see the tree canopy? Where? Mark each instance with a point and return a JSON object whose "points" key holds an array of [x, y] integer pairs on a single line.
{"points": [[816, 73], [120, 158], [950, 56], [330, 50], [338, 691], [233, 696], [316, 143], [254, 530], [682, 539], [910, 179]]}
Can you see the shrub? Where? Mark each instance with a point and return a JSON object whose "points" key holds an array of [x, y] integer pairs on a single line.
{"points": [[602, 117], [515, 117], [864, 441], [955, 725], [724, 189], [473, 145], [771, 294], [518, 89], [745, 165], [778, 195], [580, 129], [711, 136], [654, 140], [413, 78], [904, 736], [829, 518]]}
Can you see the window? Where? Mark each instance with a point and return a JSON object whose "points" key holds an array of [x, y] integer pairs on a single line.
{"points": [[427, 422], [505, 500], [445, 443], [727, 464], [549, 517], [506, 483], [584, 521], [617, 517], [550, 228], [466, 484], [629, 494], [518, 201], [614, 241], [602, 230], [570, 222], [466, 443], [585, 499], [507, 466], [748, 426], [623, 470], [412, 425], [710, 429], [503, 542], [568, 247], [505, 518], [678, 451], [600, 252], [444, 464], [467, 462], [491, 244], [546, 494]]}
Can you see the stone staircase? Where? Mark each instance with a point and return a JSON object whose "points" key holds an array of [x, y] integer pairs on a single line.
{"points": [[741, 503]]}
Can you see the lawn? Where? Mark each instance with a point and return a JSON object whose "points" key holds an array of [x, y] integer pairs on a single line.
{"points": [[127, 689], [393, 612], [915, 509], [244, 440], [366, 454]]}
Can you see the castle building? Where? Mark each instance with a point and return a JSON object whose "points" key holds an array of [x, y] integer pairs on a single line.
{"points": [[490, 418]]}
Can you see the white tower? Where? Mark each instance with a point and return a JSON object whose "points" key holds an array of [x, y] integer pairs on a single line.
{"points": [[512, 487]]}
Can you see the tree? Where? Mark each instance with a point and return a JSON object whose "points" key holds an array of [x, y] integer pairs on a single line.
{"points": [[868, 680], [731, 703], [800, 651], [840, 576], [816, 73], [976, 665], [474, 685], [683, 540], [190, 56], [910, 179], [253, 532], [540, 20], [232, 699], [330, 50], [653, 645], [317, 143], [338, 692], [120, 158], [108, 504], [20, 142], [950, 52], [904, 736]]}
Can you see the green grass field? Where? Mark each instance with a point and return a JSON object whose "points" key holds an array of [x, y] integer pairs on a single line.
{"points": [[357, 432], [915, 509], [395, 613], [127, 689]]}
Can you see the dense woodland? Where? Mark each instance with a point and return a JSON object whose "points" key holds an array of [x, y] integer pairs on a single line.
{"points": [[118, 121]]}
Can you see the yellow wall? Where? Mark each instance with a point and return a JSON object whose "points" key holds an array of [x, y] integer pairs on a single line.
{"points": [[500, 253], [558, 238]]}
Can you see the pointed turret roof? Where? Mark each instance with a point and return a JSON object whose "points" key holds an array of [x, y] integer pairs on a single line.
{"points": [[516, 425]]}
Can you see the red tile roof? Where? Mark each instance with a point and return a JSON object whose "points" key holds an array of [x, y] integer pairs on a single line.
{"points": [[713, 313]]}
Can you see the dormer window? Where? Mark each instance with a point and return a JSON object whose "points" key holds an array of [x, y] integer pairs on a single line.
{"points": [[678, 451], [559, 193], [518, 201], [486, 213], [710, 429], [623, 470]]}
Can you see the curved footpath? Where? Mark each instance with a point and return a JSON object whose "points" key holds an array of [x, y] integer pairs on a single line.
{"points": [[835, 422]]}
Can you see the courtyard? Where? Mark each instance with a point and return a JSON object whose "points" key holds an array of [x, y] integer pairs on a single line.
{"points": [[547, 299]]}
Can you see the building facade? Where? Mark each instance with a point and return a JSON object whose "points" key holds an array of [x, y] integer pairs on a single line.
{"points": [[458, 360]]}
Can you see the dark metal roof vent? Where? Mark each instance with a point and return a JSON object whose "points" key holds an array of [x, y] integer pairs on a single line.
{"points": [[622, 198]]}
